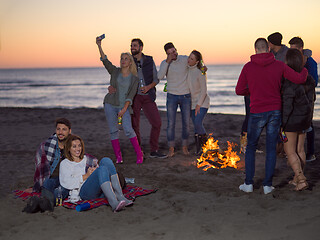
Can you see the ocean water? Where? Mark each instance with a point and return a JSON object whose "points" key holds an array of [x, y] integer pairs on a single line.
{"points": [[86, 87]]}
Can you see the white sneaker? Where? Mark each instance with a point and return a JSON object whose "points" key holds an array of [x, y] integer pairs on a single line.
{"points": [[246, 188], [267, 189]]}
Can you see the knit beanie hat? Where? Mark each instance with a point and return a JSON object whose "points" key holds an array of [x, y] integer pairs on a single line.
{"points": [[168, 46], [275, 38]]}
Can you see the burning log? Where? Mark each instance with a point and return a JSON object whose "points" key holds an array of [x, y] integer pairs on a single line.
{"points": [[210, 151], [212, 157]]}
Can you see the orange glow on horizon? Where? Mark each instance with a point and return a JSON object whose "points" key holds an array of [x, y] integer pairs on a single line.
{"points": [[52, 34]]}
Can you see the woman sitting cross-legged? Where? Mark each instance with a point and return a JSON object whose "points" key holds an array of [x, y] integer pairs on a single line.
{"points": [[91, 181]]}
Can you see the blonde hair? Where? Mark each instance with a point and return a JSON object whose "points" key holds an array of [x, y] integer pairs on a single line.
{"points": [[132, 68]]}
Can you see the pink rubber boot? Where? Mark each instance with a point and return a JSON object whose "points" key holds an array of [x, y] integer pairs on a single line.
{"points": [[137, 149], [117, 151]]}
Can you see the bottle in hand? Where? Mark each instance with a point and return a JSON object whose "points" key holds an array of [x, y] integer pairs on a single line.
{"points": [[203, 70]]}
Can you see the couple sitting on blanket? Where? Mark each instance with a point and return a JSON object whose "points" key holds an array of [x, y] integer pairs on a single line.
{"points": [[61, 165]]}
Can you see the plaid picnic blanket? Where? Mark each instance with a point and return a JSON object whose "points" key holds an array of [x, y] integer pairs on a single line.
{"points": [[130, 192]]}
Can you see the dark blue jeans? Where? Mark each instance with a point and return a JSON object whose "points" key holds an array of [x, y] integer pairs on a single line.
{"points": [[184, 102], [52, 185], [198, 120], [257, 121]]}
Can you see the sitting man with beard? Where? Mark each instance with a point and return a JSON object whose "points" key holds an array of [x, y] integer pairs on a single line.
{"points": [[46, 176]]}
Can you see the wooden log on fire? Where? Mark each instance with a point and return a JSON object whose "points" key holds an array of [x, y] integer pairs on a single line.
{"points": [[214, 163], [211, 152]]}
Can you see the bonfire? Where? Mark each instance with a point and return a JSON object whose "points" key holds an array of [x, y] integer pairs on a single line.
{"points": [[213, 157]]}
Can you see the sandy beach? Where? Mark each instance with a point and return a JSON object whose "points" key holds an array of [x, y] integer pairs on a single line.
{"points": [[189, 204]]}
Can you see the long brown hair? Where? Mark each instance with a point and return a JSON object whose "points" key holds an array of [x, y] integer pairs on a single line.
{"points": [[294, 59], [198, 56], [68, 145]]}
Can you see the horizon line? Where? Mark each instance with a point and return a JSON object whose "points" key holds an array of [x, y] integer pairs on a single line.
{"points": [[77, 67]]}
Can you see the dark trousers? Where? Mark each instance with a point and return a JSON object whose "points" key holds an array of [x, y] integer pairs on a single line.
{"points": [[247, 107], [310, 142], [52, 184], [150, 110], [257, 122]]}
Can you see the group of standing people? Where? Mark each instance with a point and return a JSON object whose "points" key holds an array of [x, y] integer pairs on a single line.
{"points": [[281, 98], [277, 92], [132, 88]]}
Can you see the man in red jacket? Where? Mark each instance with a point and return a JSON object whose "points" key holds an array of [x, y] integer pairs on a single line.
{"points": [[261, 79]]}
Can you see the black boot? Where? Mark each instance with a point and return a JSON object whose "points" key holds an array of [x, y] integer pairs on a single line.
{"points": [[46, 202], [32, 205], [198, 144], [202, 141]]}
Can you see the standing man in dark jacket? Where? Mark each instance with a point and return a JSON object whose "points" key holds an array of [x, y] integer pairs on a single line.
{"points": [[312, 67], [146, 96], [261, 79]]}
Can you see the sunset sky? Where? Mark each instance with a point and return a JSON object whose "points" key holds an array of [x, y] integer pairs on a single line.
{"points": [[61, 33]]}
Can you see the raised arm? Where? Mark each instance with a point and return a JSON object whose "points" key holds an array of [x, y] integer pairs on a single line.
{"points": [[98, 41], [103, 57], [165, 64], [163, 70]]}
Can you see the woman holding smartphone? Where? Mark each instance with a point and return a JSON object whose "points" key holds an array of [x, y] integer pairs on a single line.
{"points": [[117, 103], [92, 181], [297, 111]]}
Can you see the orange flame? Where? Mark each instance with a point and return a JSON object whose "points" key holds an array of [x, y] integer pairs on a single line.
{"points": [[212, 157]]}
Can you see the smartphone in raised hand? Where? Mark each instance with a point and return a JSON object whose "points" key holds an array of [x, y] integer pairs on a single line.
{"points": [[101, 37]]}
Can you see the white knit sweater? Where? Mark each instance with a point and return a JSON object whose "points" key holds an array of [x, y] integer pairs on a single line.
{"points": [[70, 173], [177, 75], [198, 87]]}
